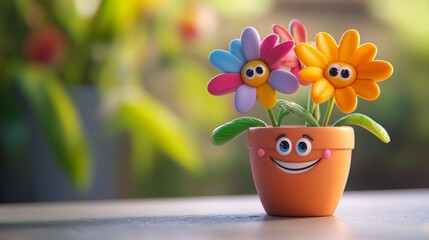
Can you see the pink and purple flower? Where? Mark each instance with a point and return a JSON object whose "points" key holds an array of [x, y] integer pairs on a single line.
{"points": [[297, 33], [251, 69]]}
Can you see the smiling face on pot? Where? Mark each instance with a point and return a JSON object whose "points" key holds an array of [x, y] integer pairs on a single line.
{"points": [[295, 153], [298, 170]]}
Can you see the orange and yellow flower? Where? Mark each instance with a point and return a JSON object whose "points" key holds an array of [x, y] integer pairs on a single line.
{"points": [[342, 71]]}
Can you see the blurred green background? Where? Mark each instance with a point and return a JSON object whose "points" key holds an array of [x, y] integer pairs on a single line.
{"points": [[107, 99]]}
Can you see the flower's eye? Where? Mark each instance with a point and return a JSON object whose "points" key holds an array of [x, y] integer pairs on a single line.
{"points": [[333, 71], [303, 147], [255, 73], [250, 72], [284, 146], [260, 70], [346, 72]]}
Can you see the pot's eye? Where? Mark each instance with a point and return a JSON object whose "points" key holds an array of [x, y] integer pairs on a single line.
{"points": [[346, 73], [303, 147], [284, 146], [249, 73]]}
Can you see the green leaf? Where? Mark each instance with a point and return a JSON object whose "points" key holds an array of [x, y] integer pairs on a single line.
{"points": [[143, 155], [282, 114], [145, 118], [364, 122], [197, 107], [232, 129], [297, 110], [59, 122]]}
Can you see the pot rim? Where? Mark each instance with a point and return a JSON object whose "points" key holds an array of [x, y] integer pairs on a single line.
{"points": [[300, 126], [328, 137]]}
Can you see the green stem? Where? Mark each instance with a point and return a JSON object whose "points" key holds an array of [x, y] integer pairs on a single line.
{"points": [[273, 119], [313, 109], [328, 111], [316, 113], [310, 103]]}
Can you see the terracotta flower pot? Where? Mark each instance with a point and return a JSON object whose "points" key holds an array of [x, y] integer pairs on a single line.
{"points": [[300, 171]]}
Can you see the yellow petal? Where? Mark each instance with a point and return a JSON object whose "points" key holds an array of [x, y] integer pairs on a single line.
{"points": [[346, 99], [321, 91], [348, 45], [267, 96], [311, 74], [310, 56], [366, 89], [365, 53], [377, 70], [327, 46]]}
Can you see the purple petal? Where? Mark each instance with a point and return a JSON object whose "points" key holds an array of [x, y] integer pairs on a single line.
{"points": [[224, 83], [267, 44], [245, 98], [283, 81], [250, 41], [278, 54]]}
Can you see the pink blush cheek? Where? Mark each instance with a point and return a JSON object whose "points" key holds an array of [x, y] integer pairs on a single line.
{"points": [[327, 153], [261, 152]]}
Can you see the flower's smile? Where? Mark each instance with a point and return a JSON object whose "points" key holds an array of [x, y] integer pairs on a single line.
{"points": [[295, 167]]}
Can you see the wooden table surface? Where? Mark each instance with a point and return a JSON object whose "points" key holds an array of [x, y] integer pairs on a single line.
{"points": [[389, 214]]}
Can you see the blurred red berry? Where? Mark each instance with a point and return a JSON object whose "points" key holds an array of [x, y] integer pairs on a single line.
{"points": [[196, 21], [45, 46]]}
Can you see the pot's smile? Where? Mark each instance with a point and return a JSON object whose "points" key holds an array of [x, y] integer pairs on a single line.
{"points": [[295, 167]]}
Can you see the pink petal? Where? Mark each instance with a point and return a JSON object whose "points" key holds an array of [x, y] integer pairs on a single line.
{"points": [[298, 30], [278, 54], [283, 81], [250, 41], [282, 32], [224, 83], [267, 44], [245, 98], [291, 60]]}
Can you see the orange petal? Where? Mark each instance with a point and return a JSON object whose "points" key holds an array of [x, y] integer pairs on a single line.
{"points": [[310, 56], [377, 70], [327, 46], [346, 99], [366, 89], [311, 74], [321, 91], [348, 45], [267, 96], [365, 53]]}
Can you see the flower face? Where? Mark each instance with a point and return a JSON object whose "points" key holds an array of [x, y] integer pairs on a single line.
{"points": [[251, 68], [344, 71], [255, 73], [297, 33], [340, 74]]}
